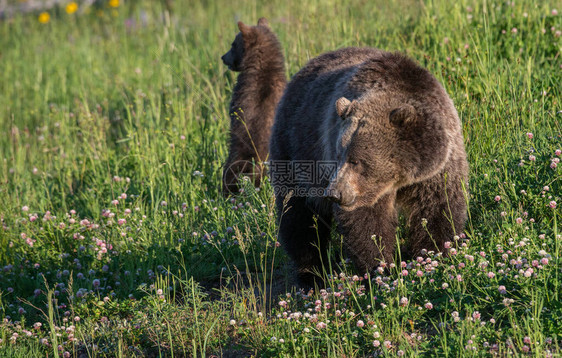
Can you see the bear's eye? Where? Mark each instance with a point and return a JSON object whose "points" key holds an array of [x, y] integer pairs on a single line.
{"points": [[353, 162]]}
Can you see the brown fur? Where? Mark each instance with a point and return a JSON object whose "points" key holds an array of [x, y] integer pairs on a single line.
{"points": [[397, 141], [257, 55]]}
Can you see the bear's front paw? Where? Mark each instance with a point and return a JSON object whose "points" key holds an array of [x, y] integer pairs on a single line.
{"points": [[308, 280]]}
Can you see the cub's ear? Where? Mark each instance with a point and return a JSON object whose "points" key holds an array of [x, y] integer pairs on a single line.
{"points": [[343, 107], [244, 29], [263, 22], [402, 115]]}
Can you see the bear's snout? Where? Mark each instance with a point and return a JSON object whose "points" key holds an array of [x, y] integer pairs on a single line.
{"points": [[225, 59], [333, 195], [342, 195]]}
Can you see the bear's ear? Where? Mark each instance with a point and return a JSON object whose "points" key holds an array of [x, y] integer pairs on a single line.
{"points": [[402, 115], [343, 107], [244, 29], [263, 22]]}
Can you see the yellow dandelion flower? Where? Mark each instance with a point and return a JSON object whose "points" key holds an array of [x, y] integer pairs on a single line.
{"points": [[114, 3], [71, 8], [44, 17]]}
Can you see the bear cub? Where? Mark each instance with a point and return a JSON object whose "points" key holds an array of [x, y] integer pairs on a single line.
{"points": [[256, 53], [394, 142]]}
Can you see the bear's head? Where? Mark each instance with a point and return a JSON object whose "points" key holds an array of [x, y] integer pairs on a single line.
{"points": [[386, 141], [243, 42]]}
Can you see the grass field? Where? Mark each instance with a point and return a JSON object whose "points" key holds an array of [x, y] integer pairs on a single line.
{"points": [[115, 240]]}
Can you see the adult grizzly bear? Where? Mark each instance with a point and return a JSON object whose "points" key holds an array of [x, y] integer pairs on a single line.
{"points": [[395, 141], [256, 53]]}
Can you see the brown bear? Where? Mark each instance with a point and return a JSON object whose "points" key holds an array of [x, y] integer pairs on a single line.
{"points": [[257, 55], [361, 134]]}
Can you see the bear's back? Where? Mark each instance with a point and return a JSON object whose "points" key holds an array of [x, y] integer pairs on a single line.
{"points": [[321, 73], [308, 104], [309, 99]]}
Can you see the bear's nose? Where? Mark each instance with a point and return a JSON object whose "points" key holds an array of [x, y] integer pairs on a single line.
{"points": [[334, 195]]}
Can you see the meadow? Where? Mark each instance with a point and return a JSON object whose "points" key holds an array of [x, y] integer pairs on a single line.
{"points": [[115, 240]]}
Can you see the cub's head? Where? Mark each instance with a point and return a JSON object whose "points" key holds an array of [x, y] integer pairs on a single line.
{"points": [[385, 142], [243, 41]]}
